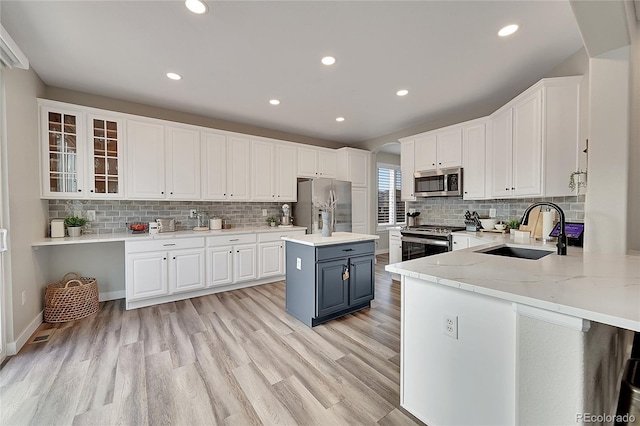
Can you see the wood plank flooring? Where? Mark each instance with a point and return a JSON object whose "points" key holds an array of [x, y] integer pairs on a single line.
{"points": [[233, 358]]}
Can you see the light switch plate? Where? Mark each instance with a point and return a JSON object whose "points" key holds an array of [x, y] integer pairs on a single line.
{"points": [[298, 264], [492, 212]]}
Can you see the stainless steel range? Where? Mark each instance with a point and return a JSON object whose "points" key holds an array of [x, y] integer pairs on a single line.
{"points": [[426, 240]]}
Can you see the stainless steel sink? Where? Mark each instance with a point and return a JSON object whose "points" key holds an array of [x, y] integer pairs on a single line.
{"points": [[518, 252]]}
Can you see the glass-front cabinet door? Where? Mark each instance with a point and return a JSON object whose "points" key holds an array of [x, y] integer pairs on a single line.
{"points": [[104, 159], [63, 150]]}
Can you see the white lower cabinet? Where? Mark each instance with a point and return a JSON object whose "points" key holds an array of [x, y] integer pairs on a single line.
{"points": [[272, 253], [164, 270], [164, 267], [231, 259], [395, 249]]}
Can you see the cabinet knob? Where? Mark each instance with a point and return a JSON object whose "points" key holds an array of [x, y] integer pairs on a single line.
{"points": [[465, 192], [91, 190], [433, 164], [171, 193], [440, 164], [79, 190], [230, 251], [164, 258], [162, 192], [506, 189], [174, 258], [513, 189]]}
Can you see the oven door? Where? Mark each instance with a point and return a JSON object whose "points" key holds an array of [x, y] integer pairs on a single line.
{"points": [[416, 247]]}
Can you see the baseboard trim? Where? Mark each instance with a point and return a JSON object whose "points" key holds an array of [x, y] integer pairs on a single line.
{"points": [[112, 295], [14, 347], [382, 251]]}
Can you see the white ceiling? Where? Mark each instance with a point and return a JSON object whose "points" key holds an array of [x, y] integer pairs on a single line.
{"points": [[243, 53]]}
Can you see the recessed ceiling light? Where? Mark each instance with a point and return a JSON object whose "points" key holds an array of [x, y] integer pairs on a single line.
{"points": [[196, 6], [274, 102], [174, 76], [328, 60], [402, 92], [508, 30], [340, 119]]}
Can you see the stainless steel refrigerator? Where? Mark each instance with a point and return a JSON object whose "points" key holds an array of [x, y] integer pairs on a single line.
{"points": [[314, 190]]}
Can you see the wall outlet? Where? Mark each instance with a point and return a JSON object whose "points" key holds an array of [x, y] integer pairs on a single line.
{"points": [[492, 212], [298, 264], [91, 215], [450, 326], [264, 212], [24, 297], [192, 213]]}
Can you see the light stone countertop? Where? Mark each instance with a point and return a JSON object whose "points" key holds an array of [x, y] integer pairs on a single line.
{"points": [[125, 236], [597, 287], [335, 238]]}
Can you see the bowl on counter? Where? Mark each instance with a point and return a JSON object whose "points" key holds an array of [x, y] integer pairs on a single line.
{"points": [[488, 223], [500, 226]]}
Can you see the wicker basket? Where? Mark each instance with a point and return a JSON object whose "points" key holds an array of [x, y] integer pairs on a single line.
{"points": [[71, 298]]}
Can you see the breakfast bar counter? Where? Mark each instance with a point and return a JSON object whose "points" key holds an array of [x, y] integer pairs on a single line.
{"points": [[488, 339]]}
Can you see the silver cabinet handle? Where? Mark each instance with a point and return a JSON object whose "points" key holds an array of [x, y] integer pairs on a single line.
{"points": [[235, 239], [168, 245]]}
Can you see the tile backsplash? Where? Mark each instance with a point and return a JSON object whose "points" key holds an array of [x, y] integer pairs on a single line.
{"points": [[450, 210], [112, 216]]}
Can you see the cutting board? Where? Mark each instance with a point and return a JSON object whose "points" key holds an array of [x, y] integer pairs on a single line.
{"points": [[535, 223]]}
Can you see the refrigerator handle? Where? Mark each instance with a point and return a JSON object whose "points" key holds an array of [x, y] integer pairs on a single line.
{"points": [[333, 213], [3, 240]]}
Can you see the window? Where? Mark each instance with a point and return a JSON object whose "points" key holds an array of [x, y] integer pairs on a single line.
{"points": [[391, 211]]}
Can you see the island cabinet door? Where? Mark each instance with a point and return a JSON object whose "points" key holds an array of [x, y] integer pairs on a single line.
{"points": [[361, 279], [332, 288]]}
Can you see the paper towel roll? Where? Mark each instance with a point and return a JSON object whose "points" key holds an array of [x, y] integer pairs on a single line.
{"points": [[548, 221]]}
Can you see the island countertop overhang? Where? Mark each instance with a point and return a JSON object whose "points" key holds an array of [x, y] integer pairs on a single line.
{"points": [[597, 287]]}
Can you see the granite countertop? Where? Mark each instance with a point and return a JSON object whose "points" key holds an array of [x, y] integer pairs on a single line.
{"points": [[598, 287], [125, 236], [335, 238]]}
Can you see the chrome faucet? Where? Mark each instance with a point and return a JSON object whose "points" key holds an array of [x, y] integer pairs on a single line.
{"points": [[562, 237]]}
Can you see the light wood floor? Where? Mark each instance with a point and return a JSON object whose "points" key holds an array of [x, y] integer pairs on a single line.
{"points": [[234, 358]]}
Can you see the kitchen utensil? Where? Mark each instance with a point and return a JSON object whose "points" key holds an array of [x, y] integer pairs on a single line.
{"points": [[215, 223], [166, 225], [488, 223], [411, 218], [57, 228]]}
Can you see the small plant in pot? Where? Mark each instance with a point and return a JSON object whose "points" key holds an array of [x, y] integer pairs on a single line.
{"points": [[513, 225], [272, 220], [74, 225]]}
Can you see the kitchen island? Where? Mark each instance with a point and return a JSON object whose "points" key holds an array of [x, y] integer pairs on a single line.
{"points": [[328, 277], [488, 339]]}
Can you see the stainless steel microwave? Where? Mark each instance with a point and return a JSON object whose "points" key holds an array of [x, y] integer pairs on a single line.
{"points": [[438, 183]]}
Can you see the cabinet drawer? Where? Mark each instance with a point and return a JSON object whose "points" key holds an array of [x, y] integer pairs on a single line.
{"points": [[276, 236], [345, 250], [231, 240], [160, 245]]}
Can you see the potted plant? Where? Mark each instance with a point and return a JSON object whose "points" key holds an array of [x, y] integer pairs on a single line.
{"points": [[513, 225], [74, 225], [272, 220]]}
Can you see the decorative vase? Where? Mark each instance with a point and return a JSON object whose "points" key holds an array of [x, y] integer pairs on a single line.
{"points": [[273, 224], [74, 231], [326, 226]]}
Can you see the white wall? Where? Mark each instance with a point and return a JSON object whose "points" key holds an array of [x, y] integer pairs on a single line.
{"points": [[382, 245], [27, 219], [634, 145], [606, 201]]}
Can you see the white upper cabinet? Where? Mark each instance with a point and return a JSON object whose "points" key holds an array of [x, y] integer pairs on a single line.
{"points": [[534, 142], [274, 171], [407, 170], [239, 168], [438, 150], [214, 166], [353, 166], [105, 169], [473, 160], [81, 153], [145, 160], [183, 163], [316, 162], [263, 159], [286, 182], [499, 160], [425, 149], [359, 210]]}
